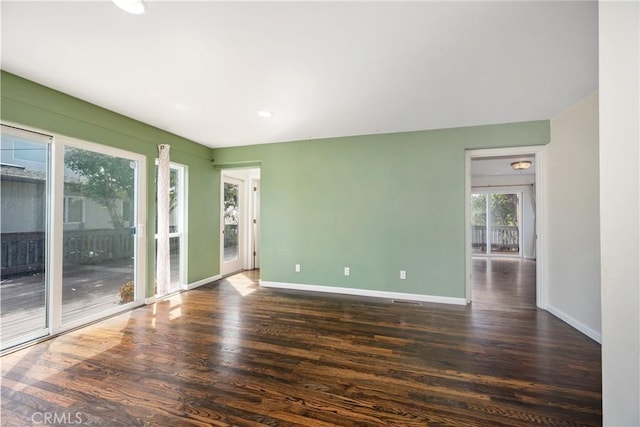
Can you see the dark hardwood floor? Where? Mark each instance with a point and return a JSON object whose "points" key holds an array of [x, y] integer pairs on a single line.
{"points": [[503, 283], [231, 353]]}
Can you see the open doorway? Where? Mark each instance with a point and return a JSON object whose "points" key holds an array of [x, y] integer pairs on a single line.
{"points": [[504, 228], [240, 220]]}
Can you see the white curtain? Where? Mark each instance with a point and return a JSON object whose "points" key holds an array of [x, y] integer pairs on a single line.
{"points": [[163, 266]]}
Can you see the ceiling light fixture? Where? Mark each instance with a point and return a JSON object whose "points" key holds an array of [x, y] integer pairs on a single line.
{"points": [[134, 7], [265, 114], [521, 165]]}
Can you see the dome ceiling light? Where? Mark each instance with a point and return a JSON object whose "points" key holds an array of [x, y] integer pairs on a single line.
{"points": [[521, 165], [134, 7]]}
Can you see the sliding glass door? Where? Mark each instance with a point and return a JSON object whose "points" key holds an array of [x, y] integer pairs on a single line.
{"points": [[25, 180], [70, 236], [495, 223]]}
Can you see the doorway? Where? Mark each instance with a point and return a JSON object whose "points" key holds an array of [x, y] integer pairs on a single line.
{"points": [[240, 220], [515, 230]]}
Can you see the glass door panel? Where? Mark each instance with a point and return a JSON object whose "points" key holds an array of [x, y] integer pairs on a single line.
{"points": [[176, 226], [232, 232], [504, 223], [24, 182], [98, 240], [495, 224], [478, 223]]}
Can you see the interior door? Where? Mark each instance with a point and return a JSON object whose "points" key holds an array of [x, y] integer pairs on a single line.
{"points": [[232, 225]]}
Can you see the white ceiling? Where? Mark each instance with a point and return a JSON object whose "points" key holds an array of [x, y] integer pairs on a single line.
{"points": [[203, 69], [500, 166]]}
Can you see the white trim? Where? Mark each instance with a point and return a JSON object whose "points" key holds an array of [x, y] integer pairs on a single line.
{"points": [[150, 300], [468, 266], [96, 317], [202, 282], [56, 236], [364, 292], [253, 235], [538, 151], [597, 337], [540, 235]]}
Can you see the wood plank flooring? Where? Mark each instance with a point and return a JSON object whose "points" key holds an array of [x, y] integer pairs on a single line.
{"points": [[231, 353], [503, 283]]}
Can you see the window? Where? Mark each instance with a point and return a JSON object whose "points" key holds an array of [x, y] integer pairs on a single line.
{"points": [[29, 151], [73, 210], [177, 249], [127, 213]]}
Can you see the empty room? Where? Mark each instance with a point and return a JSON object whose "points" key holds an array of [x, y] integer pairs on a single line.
{"points": [[320, 213]]}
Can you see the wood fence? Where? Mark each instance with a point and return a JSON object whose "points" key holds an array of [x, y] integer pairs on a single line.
{"points": [[25, 252]]}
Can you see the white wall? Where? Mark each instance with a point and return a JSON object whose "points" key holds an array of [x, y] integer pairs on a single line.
{"points": [[620, 210], [572, 250], [515, 183]]}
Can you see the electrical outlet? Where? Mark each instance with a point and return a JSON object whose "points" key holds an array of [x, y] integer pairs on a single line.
{"points": [[347, 271], [403, 274], [297, 268]]}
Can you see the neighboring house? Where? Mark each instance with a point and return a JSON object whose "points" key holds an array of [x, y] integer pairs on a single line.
{"points": [[22, 221]]}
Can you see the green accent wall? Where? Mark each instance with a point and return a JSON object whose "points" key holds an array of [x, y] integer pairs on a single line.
{"points": [[377, 204], [33, 105]]}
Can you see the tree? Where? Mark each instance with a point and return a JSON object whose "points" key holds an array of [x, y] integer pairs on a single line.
{"points": [[503, 209], [478, 209], [230, 215], [105, 179], [230, 204]]}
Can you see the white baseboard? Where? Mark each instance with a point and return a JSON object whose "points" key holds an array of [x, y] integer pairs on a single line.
{"points": [[154, 299], [597, 337], [365, 292], [203, 281]]}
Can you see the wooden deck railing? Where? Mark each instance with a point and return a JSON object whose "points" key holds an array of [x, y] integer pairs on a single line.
{"points": [[25, 252], [504, 238]]}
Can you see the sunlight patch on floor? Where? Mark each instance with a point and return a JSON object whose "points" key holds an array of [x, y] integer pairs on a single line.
{"points": [[242, 283]]}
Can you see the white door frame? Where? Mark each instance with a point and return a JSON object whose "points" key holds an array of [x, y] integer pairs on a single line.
{"points": [[539, 238], [254, 236]]}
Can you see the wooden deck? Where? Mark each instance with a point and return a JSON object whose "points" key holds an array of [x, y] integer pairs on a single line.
{"points": [[231, 353], [87, 290]]}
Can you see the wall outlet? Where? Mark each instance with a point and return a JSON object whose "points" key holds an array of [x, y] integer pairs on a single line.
{"points": [[403, 274], [297, 268], [347, 271]]}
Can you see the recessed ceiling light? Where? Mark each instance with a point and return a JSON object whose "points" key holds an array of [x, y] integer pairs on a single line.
{"points": [[264, 113], [135, 7]]}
